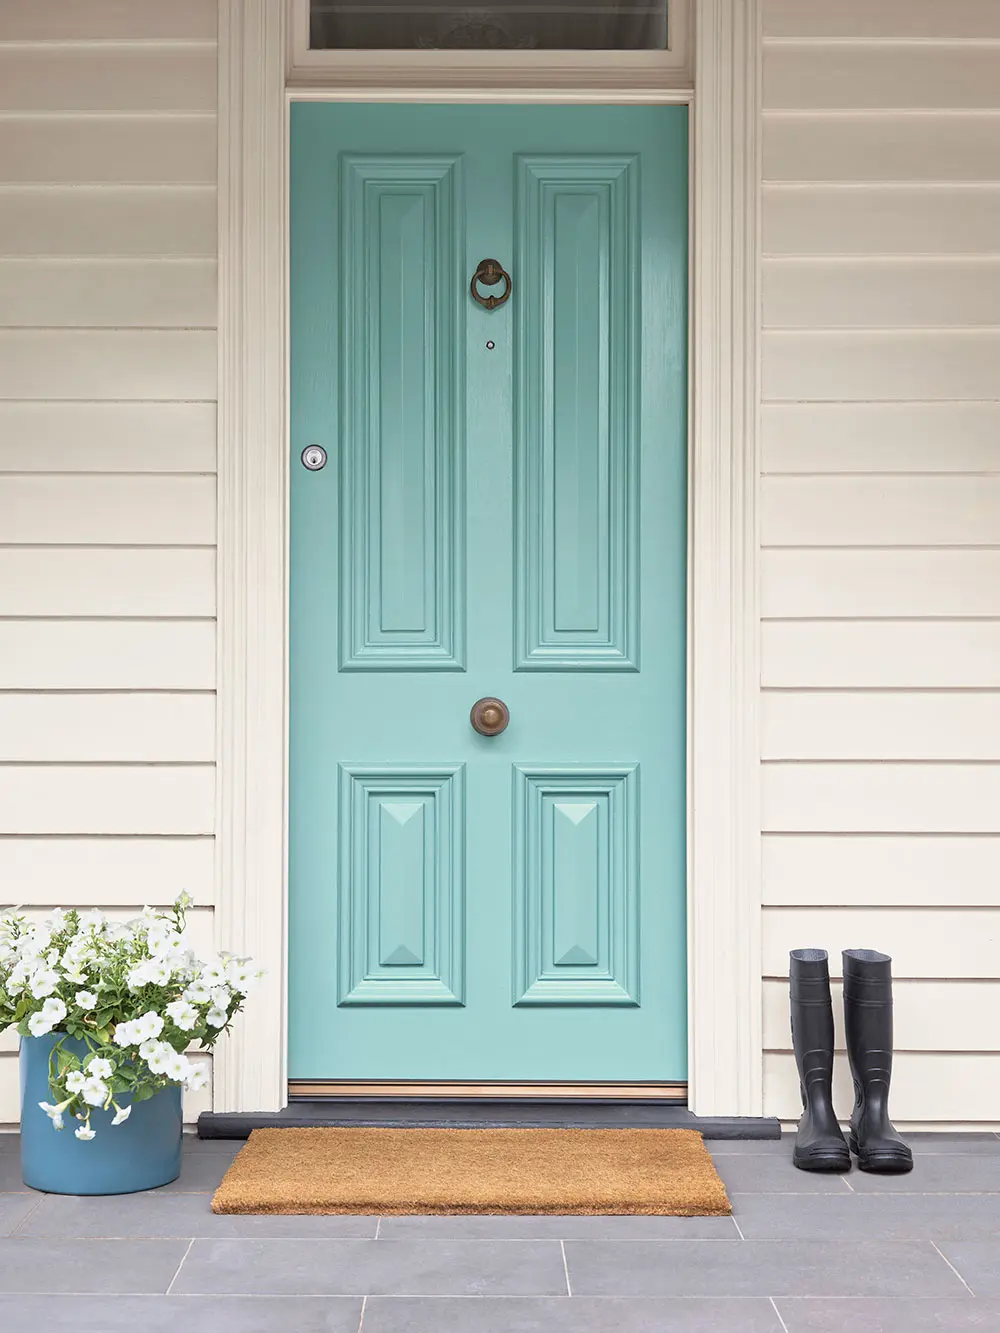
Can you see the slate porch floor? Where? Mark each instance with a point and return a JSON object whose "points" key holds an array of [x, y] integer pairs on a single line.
{"points": [[877, 1254]]}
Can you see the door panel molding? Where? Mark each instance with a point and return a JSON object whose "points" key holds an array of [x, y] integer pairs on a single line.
{"points": [[402, 604], [577, 593], [576, 826], [724, 997]]}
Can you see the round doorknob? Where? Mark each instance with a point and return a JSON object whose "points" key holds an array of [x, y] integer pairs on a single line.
{"points": [[489, 716]]}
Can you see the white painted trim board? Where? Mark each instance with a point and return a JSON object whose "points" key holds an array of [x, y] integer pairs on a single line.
{"points": [[723, 826]]}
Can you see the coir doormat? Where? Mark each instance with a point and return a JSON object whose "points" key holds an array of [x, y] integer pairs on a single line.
{"points": [[396, 1171]]}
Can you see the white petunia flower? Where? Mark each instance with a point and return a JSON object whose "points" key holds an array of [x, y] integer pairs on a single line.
{"points": [[94, 1092], [122, 1113], [197, 993], [197, 1079], [85, 1132], [149, 1025], [177, 1067], [157, 935], [55, 1112], [126, 1035], [241, 977], [214, 974], [75, 1080], [138, 977], [183, 1014], [53, 1011], [86, 999], [159, 1054], [216, 1018], [99, 1067], [220, 997], [92, 920], [159, 971], [43, 982]]}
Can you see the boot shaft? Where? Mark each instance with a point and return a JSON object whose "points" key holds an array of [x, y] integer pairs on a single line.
{"points": [[868, 1014], [812, 1018]]}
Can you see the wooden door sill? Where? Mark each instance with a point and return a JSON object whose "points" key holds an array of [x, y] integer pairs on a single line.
{"points": [[484, 1090]]}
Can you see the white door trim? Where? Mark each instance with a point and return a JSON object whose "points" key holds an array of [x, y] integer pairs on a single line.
{"points": [[724, 993]]}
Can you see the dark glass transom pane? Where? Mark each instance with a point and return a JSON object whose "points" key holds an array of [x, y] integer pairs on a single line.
{"points": [[555, 25]]}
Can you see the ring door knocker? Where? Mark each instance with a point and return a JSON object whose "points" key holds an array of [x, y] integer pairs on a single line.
{"points": [[488, 274]]}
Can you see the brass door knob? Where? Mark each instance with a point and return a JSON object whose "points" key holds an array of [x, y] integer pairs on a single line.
{"points": [[489, 716]]}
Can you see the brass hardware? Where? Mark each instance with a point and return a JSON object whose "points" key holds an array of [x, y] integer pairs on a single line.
{"points": [[489, 716], [489, 273]]}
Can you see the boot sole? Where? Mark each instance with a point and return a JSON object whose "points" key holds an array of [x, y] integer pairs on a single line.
{"points": [[881, 1164], [833, 1162]]}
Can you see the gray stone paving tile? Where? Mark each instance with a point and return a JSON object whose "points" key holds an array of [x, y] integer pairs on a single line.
{"points": [[376, 1267], [933, 1217], [10, 1172], [811, 1316], [31, 1266], [776, 1175], [168, 1314], [978, 1262], [559, 1228], [758, 1268], [933, 1173], [9, 1142], [974, 1144], [14, 1208], [200, 1172], [749, 1147], [165, 1213], [387, 1314]]}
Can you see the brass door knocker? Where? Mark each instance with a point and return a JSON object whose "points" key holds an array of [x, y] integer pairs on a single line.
{"points": [[489, 273]]}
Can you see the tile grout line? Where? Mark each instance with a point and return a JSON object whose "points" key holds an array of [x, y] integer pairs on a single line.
{"points": [[179, 1267], [364, 1306], [778, 1313], [28, 1216], [562, 1247], [739, 1229], [378, 1227], [953, 1269]]}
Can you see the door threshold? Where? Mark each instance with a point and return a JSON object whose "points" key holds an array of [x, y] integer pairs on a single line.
{"points": [[482, 1090]]}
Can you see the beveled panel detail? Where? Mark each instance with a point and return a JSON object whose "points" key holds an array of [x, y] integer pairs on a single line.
{"points": [[402, 603], [576, 879], [577, 414], [401, 885]]}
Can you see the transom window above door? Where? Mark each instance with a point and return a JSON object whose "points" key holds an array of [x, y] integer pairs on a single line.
{"points": [[509, 25]]}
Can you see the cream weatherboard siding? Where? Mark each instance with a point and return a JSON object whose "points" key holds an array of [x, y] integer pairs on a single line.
{"points": [[880, 527], [107, 458]]}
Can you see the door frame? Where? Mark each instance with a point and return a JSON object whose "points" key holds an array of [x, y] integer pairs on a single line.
{"points": [[723, 824]]}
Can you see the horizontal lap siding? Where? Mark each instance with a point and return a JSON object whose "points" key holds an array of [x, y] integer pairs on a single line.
{"points": [[107, 459], [880, 527]]}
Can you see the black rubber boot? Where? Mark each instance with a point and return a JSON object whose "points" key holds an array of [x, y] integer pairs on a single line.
{"points": [[868, 1020], [819, 1143]]}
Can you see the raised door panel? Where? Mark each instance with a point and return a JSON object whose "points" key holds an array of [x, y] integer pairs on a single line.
{"points": [[401, 893], [577, 413], [402, 493], [576, 923]]}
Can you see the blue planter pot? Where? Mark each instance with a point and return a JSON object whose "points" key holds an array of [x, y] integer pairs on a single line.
{"points": [[139, 1155]]}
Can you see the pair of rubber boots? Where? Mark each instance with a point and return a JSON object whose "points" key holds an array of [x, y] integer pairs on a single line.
{"points": [[819, 1143]]}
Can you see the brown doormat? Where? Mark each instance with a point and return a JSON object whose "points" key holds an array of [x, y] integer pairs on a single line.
{"points": [[393, 1171]]}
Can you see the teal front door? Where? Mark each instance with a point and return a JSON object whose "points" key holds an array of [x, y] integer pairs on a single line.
{"points": [[502, 515]]}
